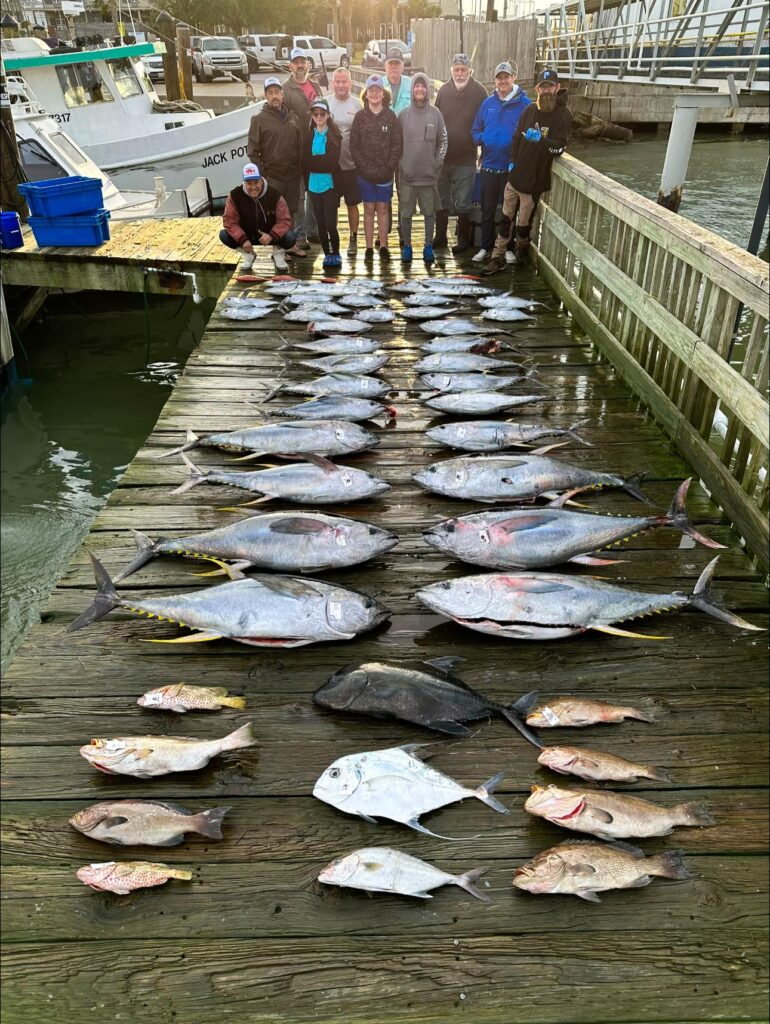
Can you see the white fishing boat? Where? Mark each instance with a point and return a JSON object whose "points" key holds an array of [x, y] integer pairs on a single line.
{"points": [[46, 151], [105, 101]]}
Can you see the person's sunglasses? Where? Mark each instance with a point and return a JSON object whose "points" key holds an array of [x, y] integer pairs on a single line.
{"points": [[319, 113]]}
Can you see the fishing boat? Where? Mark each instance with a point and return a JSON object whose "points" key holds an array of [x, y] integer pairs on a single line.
{"points": [[105, 101]]}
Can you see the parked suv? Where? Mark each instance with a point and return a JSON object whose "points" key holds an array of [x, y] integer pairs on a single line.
{"points": [[153, 65], [374, 54], [262, 49], [320, 52], [219, 57]]}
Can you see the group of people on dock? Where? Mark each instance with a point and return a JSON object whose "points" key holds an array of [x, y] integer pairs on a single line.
{"points": [[307, 151]]}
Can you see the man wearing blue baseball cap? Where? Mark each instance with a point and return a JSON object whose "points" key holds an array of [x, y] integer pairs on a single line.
{"points": [[257, 214]]}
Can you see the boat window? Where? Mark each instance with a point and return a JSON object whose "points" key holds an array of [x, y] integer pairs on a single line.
{"points": [[125, 78], [82, 85], [67, 147], [38, 165]]}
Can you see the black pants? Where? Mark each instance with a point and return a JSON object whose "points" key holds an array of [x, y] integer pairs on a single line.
{"points": [[325, 209], [492, 188]]}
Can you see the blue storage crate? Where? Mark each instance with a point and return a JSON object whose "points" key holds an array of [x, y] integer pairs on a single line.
{"points": [[61, 197], [85, 229]]}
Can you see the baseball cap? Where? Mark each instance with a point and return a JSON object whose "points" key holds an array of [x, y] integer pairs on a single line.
{"points": [[394, 54], [320, 102], [504, 68], [272, 80], [296, 53], [547, 75], [375, 80], [251, 173], [461, 58]]}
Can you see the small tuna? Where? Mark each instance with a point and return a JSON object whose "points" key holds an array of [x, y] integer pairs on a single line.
{"points": [[123, 878], [353, 364], [320, 437], [457, 362], [380, 869], [478, 403], [581, 868], [339, 384], [374, 316], [146, 822], [336, 325], [337, 407], [505, 314], [146, 757], [495, 435], [596, 766], [423, 312], [461, 343], [336, 345], [455, 326], [452, 383], [181, 697]]}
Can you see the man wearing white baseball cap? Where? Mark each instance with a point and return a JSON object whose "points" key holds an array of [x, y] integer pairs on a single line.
{"points": [[299, 92], [257, 214]]}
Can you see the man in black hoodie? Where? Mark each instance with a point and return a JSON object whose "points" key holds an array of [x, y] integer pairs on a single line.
{"points": [[458, 100], [541, 135]]}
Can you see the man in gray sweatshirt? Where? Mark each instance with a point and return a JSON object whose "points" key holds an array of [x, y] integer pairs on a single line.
{"points": [[424, 148]]}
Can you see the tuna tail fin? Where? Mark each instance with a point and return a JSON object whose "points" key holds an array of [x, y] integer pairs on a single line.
{"points": [[466, 881], [209, 823], [106, 598], [193, 441], [632, 485], [484, 793], [676, 517], [195, 477], [515, 719], [667, 865], [233, 702], [242, 737], [146, 551], [573, 432], [702, 599], [695, 813]]}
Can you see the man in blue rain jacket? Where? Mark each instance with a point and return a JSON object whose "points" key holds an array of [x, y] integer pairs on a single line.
{"points": [[493, 129]]}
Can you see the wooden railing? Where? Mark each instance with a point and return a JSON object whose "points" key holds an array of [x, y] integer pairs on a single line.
{"points": [[660, 298]]}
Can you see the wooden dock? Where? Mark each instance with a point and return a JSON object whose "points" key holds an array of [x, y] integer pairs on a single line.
{"points": [[254, 937], [130, 261]]}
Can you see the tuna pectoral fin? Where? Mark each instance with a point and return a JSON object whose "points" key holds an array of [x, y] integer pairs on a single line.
{"points": [[485, 790], [146, 550], [544, 449], [615, 631], [677, 519], [702, 599], [228, 569], [106, 598], [209, 823], [466, 882], [593, 560], [194, 638]]}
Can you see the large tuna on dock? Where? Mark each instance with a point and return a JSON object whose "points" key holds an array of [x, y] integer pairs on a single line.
{"points": [[472, 403], [323, 437], [495, 435], [339, 384], [338, 407], [549, 606], [262, 611], [456, 382]]}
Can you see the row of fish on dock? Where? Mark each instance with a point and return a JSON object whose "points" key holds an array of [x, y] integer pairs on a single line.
{"points": [[287, 611]]}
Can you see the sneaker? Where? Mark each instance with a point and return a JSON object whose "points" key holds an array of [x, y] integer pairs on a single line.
{"points": [[352, 246], [384, 254], [337, 259], [510, 256], [493, 267], [428, 255], [369, 254], [247, 260], [480, 256], [279, 259], [406, 254], [328, 261]]}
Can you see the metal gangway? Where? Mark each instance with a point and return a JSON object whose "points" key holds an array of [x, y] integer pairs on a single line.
{"points": [[685, 43]]}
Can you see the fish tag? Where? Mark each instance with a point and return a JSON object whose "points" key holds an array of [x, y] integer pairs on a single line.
{"points": [[551, 717], [461, 432]]}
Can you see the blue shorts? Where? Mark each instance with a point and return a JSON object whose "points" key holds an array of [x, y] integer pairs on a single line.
{"points": [[375, 193]]}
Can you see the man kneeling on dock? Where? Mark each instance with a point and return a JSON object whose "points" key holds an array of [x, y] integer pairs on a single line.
{"points": [[256, 214]]}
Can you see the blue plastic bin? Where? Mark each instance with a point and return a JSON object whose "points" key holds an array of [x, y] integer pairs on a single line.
{"points": [[86, 229], [61, 197], [10, 230]]}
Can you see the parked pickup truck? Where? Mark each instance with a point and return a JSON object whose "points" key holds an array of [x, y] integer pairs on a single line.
{"points": [[219, 57]]}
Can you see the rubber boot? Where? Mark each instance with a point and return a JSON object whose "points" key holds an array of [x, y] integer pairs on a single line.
{"points": [[464, 235], [522, 243], [442, 223]]}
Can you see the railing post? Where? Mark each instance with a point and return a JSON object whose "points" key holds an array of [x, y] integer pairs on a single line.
{"points": [[680, 138]]}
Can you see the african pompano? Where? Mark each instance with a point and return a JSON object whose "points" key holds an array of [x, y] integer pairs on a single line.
{"points": [[340, 384], [281, 541], [453, 383], [321, 437], [430, 695], [316, 481], [457, 362], [337, 407], [597, 766], [396, 784], [146, 757], [336, 345], [146, 822], [575, 712], [516, 478], [123, 878], [454, 327], [494, 435], [181, 697], [380, 869], [549, 606], [612, 815], [581, 868], [470, 403], [538, 538], [366, 363], [262, 611]]}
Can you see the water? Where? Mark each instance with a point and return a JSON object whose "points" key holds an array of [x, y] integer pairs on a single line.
{"points": [[68, 438], [724, 176]]}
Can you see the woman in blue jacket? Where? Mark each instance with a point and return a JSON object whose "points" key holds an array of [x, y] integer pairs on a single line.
{"points": [[493, 130]]}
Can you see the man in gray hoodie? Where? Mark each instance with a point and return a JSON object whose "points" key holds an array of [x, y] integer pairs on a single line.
{"points": [[424, 147]]}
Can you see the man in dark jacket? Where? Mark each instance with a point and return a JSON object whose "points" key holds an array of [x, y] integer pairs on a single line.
{"points": [[299, 92], [541, 135], [274, 145], [257, 214], [458, 100]]}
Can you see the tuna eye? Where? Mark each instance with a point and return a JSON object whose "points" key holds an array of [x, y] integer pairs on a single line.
{"points": [[450, 528], [459, 476], [444, 586], [334, 773], [368, 603], [431, 469], [372, 530]]}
